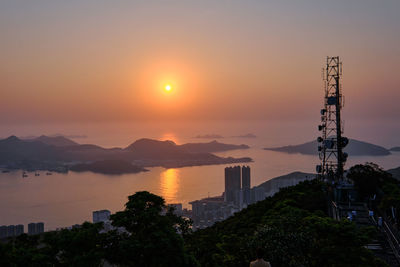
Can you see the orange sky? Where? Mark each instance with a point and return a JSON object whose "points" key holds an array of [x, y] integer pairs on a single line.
{"points": [[109, 60]]}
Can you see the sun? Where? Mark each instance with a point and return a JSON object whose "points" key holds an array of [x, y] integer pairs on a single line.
{"points": [[167, 87]]}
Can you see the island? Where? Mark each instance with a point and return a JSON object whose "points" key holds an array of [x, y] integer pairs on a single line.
{"points": [[354, 148], [209, 136], [59, 153], [249, 135], [213, 146], [108, 167]]}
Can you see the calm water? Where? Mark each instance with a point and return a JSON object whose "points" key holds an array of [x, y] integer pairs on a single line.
{"points": [[65, 199]]}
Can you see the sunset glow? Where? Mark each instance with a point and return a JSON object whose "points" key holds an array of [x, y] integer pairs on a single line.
{"points": [[169, 183], [198, 133], [61, 82]]}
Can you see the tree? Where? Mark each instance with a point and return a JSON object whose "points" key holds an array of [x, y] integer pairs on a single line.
{"points": [[82, 246], [367, 178], [151, 236], [292, 228]]}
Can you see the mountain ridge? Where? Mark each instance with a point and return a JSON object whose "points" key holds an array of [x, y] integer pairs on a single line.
{"points": [[354, 148], [15, 153]]}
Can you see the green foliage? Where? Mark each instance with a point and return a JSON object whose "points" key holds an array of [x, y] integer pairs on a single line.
{"points": [[82, 246], [367, 178], [370, 179], [149, 235], [152, 237], [78, 247], [292, 228], [21, 251]]}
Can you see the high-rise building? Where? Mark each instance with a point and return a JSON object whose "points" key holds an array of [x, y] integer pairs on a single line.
{"points": [[232, 184], [39, 228], [35, 228], [3, 231], [246, 185], [32, 229], [245, 177], [19, 229], [101, 216], [11, 230]]}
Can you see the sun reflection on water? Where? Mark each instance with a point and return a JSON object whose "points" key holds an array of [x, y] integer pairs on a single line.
{"points": [[169, 184]]}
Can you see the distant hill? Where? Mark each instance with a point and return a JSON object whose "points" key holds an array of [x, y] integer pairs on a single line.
{"points": [[16, 153], [209, 136], [108, 167], [396, 148], [13, 149], [273, 185], [354, 148], [395, 172], [150, 148], [55, 140], [249, 135], [210, 147]]}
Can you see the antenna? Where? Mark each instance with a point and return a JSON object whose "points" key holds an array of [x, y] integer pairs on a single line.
{"points": [[331, 142]]}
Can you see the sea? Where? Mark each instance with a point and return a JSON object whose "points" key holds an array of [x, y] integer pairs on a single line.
{"points": [[62, 200]]}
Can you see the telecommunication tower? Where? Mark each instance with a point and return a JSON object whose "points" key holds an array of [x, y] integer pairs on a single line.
{"points": [[331, 142]]}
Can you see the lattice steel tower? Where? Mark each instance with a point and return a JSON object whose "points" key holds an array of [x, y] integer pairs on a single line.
{"points": [[331, 142]]}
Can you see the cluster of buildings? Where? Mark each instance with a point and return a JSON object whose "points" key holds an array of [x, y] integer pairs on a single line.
{"points": [[16, 230], [237, 196], [35, 228]]}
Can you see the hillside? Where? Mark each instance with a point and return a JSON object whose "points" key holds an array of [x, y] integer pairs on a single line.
{"points": [[108, 167], [273, 185], [54, 140], [395, 172], [354, 148], [292, 227], [211, 147], [37, 153]]}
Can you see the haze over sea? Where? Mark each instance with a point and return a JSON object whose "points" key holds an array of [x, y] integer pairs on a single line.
{"points": [[62, 200]]}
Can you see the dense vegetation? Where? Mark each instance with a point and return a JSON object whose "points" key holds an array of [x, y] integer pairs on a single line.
{"points": [[378, 188], [292, 227]]}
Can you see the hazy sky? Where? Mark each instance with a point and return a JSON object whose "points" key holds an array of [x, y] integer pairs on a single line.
{"points": [[109, 60]]}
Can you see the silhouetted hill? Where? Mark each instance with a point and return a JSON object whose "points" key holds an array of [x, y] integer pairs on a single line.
{"points": [[273, 185], [396, 148], [354, 148], [209, 136], [149, 148], [16, 153], [395, 172], [108, 167], [13, 148], [292, 227], [55, 140], [210, 147], [249, 135]]}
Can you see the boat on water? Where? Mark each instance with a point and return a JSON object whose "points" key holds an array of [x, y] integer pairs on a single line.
{"points": [[24, 174], [49, 173], [37, 174], [5, 171]]}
